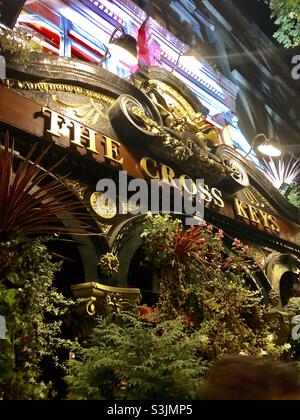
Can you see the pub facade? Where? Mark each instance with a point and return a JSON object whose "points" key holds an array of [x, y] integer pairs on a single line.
{"points": [[164, 124]]}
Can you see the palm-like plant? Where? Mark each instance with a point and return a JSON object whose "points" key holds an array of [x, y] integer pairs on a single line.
{"points": [[31, 203], [282, 171]]}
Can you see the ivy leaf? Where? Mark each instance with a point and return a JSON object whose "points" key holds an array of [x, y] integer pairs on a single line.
{"points": [[10, 297], [287, 18], [13, 278]]}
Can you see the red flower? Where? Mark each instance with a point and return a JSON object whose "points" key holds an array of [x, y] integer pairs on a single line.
{"points": [[145, 310], [246, 249], [210, 227], [236, 242], [26, 339], [161, 331], [203, 223], [187, 319], [220, 234]]}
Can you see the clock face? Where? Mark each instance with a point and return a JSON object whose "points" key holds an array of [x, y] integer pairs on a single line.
{"points": [[103, 206]]}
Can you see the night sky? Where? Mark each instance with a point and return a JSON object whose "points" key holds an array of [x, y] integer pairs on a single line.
{"points": [[261, 14]]}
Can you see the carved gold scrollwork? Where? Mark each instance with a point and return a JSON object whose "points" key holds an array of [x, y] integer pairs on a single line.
{"points": [[178, 114], [238, 178], [78, 187], [170, 94], [90, 306], [57, 87], [170, 128], [88, 113], [102, 298], [115, 302], [238, 173], [105, 228], [177, 148], [257, 199]]}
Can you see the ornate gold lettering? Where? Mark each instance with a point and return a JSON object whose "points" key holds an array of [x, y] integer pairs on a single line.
{"points": [[204, 192], [168, 175], [265, 218], [273, 224], [239, 207], [112, 150], [84, 133], [45, 87], [253, 215], [256, 216], [145, 163], [58, 123], [217, 198], [193, 190]]}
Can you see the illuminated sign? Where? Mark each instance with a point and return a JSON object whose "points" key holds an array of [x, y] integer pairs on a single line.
{"points": [[162, 172], [256, 216], [83, 137]]}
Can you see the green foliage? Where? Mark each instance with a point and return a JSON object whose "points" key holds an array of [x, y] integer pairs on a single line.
{"points": [[30, 204], [233, 318], [206, 310], [33, 310], [130, 359], [159, 238], [16, 44], [293, 308], [212, 285], [293, 194], [287, 18]]}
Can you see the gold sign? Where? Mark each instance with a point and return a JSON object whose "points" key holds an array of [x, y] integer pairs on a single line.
{"points": [[81, 135], [84, 137], [162, 172], [256, 216]]}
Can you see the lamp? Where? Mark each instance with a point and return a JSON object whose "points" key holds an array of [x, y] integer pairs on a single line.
{"points": [[125, 47], [269, 146]]}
